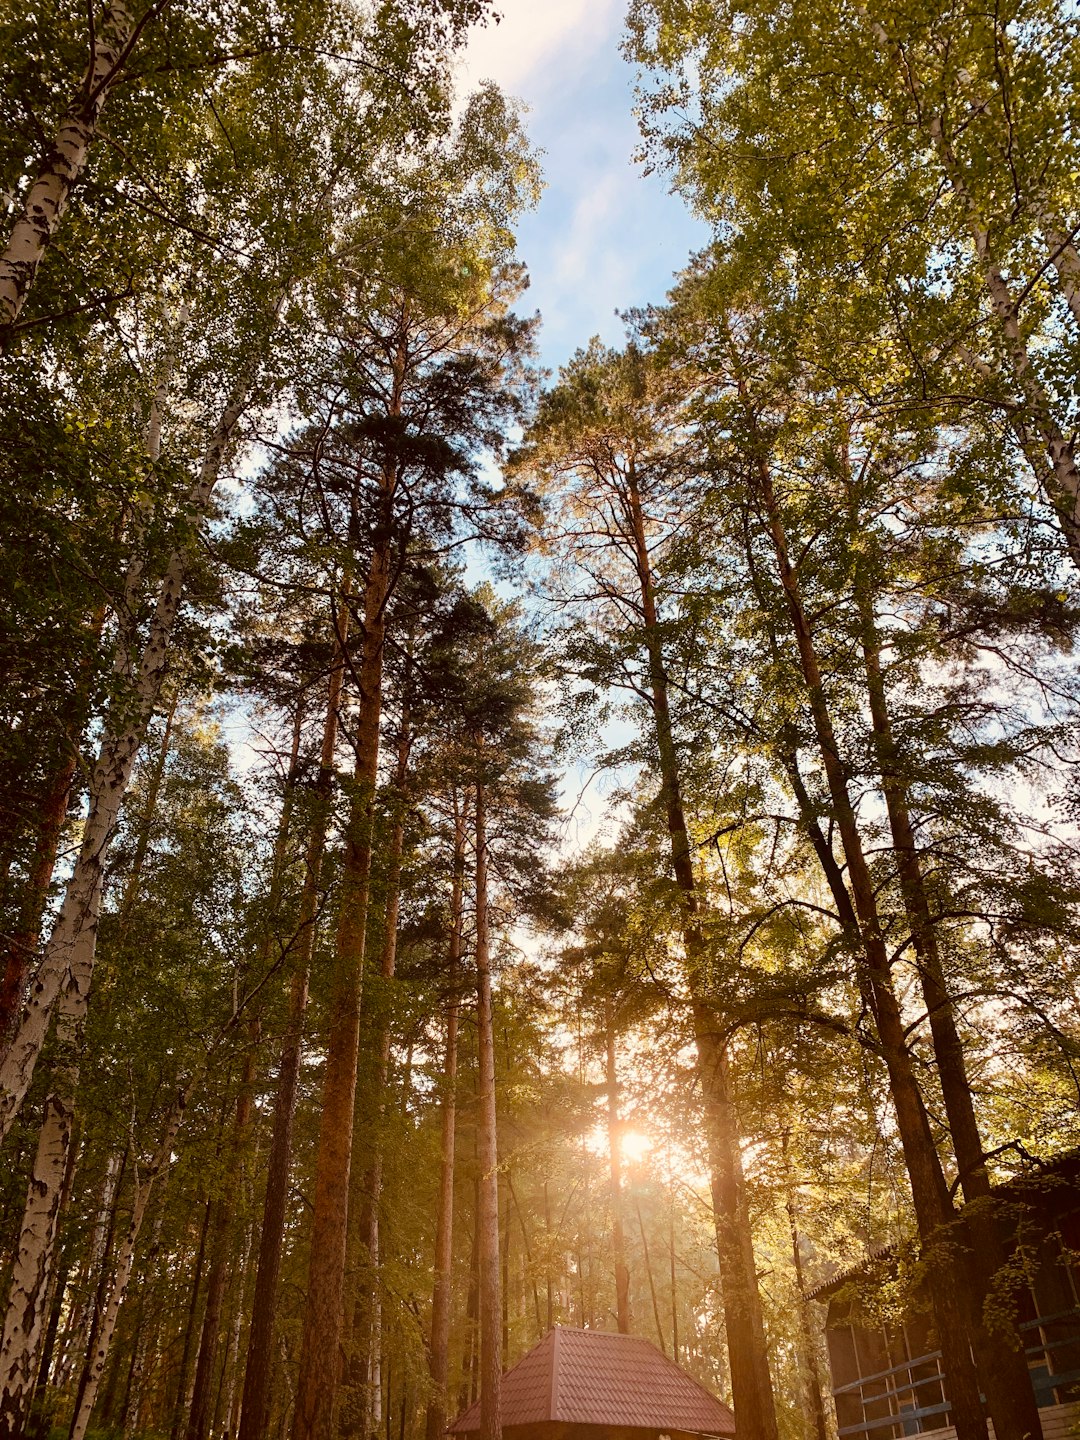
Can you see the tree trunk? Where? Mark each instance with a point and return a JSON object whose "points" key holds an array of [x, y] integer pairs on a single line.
{"points": [[618, 1242], [255, 1407], [180, 1407], [1002, 1365], [65, 160], [671, 1269], [367, 1363], [649, 1276], [114, 1175], [1066, 260], [125, 1257], [21, 945], [439, 1353], [816, 1425], [933, 1207], [67, 963], [31, 1270], [751, 1382], [320, 1358], [199, 1418], [471, 1357], [227, 1410], [488, 1218]]}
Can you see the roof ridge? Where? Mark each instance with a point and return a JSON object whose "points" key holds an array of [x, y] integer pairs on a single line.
{"points": [[553, 1397]]}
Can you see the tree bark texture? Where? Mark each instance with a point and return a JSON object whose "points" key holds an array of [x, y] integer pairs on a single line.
{"points": [[751, 1382], [258, 1373], [124, 1259], [488, 1217], [439, 1351], [1002, 1365], [323, 1311], [67, 963], [933, 1208], [25, 1313], [65, 160]]}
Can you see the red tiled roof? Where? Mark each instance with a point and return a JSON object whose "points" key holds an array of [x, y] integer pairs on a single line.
{"points": [[595, 1377]]}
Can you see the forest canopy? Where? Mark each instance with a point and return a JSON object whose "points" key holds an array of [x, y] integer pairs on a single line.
{"points": [[339, 1062]]}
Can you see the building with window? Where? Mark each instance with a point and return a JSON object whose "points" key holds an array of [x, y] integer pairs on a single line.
{"points": [[886, 1367]]}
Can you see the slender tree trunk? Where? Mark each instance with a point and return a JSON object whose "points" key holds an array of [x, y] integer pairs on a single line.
{"points": [[64, 161], [751, 1382], [200, 1414], [1002, 1364], [20, 947], [180, 1407], [672, 1278], [323, 1312], [1066, 260], [618, 1242], [227, 1410], [125, 1256], [816, 1426], [439, 1352], [199, 1417], [31, 1273], [527, 1268], [933, 1207], [133, 1389], [67, 963], [470, 1378], [114, 1176], [488, 1218], [368, 1362], [549, 1284], [649, 1276], [255, 1407]]}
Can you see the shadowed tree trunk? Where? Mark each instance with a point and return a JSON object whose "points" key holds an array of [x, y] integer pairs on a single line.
{"points": [[751, 1383], [439, 1352], [221, 1256], [1002, 1365], [488, 1217], [933, 1207], [255, 1406], [324, 1307], [367, 1363]]}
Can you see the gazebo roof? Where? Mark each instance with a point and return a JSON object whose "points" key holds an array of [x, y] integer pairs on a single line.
{"points": [[596, 1377]]}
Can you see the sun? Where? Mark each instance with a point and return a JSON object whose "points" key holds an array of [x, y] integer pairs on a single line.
{"points": [[635, 1145]]}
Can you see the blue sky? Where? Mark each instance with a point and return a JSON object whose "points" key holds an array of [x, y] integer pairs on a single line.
{"points": [[604, 237]]}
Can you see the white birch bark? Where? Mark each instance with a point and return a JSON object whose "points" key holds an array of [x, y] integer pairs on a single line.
{"points": [[67, 963], [125, 1257], [64, 163], [1066, 261], [25, 1315]]}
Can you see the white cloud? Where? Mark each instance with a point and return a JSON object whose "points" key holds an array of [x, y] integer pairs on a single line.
{"points": [[518, 52]]}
